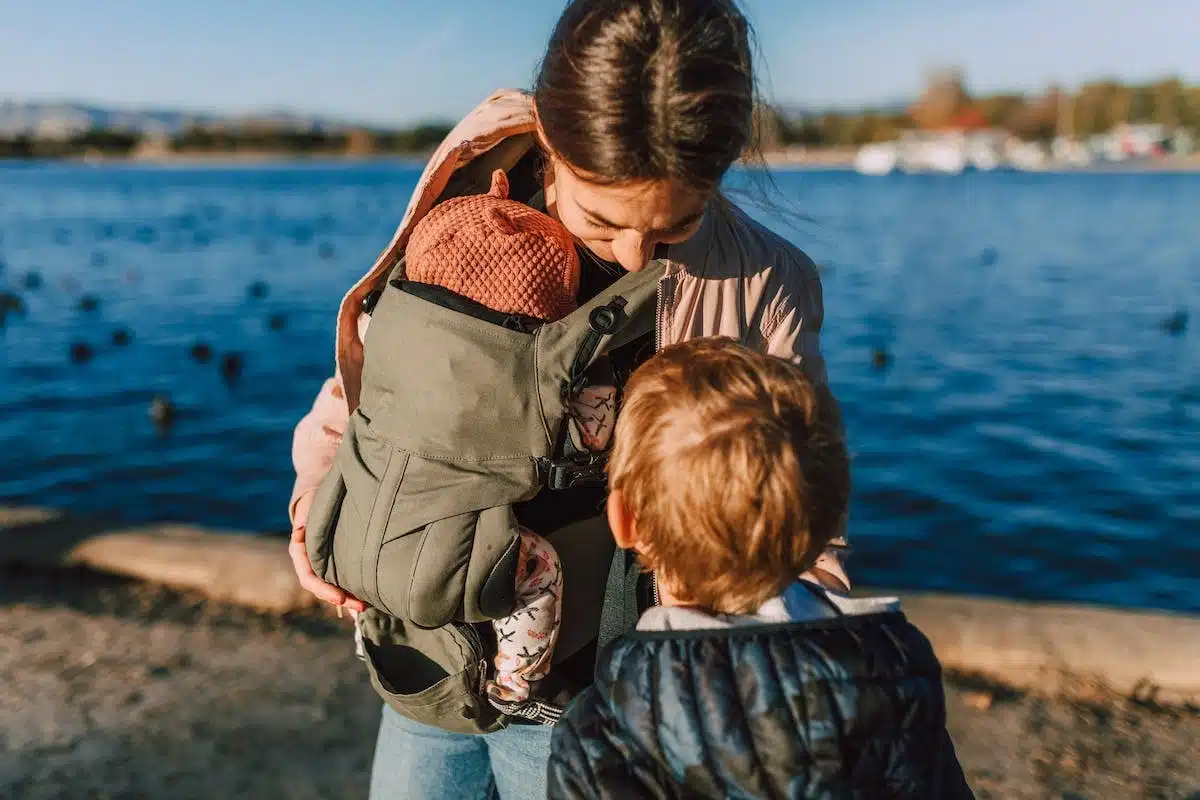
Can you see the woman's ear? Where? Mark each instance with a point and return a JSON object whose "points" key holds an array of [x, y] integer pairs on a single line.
{"points": [[620, 521]]}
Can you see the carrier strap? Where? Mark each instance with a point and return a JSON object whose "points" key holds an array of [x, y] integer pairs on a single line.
{"points": [[602, 321], [573, 468], [622, 603]]}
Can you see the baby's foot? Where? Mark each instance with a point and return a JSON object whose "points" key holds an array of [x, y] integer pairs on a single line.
{"points": [[509, 691]]}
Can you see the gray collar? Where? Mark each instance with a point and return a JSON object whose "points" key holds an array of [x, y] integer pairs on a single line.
{"points": [[803, 601]]}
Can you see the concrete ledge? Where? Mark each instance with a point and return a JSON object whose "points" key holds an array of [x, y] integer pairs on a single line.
{"points": [[1048, 648], [241, 568], [1052, 648]]}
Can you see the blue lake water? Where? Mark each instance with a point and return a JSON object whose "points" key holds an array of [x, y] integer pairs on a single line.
{"points": [[1036, 434]]}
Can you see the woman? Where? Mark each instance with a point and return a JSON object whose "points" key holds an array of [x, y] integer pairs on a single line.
{"points": [[640, 108]]}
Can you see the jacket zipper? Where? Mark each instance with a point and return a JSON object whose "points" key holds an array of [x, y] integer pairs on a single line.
{"points": [[660, 319], [660, 313]]}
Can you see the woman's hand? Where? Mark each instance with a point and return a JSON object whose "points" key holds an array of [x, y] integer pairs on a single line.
{"points": [[309, 581]]}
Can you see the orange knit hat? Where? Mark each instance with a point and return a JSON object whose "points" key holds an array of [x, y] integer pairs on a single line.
{"points": [[497, 252]]}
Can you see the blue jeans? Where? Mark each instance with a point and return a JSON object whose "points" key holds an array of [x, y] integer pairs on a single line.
{"points": [[419, 762]]}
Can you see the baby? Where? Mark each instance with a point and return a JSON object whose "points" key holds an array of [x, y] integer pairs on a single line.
{"points": [[512, 259]]}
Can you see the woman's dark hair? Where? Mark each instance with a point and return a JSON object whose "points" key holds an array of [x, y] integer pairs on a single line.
{"points": [[636, 90]]}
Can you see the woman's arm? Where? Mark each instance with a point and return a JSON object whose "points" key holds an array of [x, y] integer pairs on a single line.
{"points": [[314, 445], [792, 330], [794, 316]]}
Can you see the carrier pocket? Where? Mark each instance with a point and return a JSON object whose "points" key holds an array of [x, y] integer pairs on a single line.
{"points": [[352, 509], [435, 677], [323, 515], [461, 568]]}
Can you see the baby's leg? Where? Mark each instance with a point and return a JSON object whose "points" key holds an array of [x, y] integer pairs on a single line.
{"points": [[595, 413], [525, 639]]}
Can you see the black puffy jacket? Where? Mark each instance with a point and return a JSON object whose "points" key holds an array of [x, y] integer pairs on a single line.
{"points": [[851, 707]]}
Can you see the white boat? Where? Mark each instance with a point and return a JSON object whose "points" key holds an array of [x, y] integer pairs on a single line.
{"points": [[877, 159], [1070, 153], [983, 152], [942, 154], [1026, 156]]}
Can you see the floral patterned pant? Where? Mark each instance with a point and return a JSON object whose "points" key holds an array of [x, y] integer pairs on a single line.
{"points": [[525, 639]]}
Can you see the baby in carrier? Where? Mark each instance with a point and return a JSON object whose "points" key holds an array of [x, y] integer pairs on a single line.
{"points": [[511, 259]]}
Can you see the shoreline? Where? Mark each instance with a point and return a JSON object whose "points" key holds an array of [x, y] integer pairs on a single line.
{"points": [[790, 158], [114, 687], [801, 158], [1050, 648], [174, 661]]}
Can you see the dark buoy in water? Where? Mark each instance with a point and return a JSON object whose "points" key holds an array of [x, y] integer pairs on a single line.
{"points": [[1177, 323], [62, 236], [81, 352], [880, 358], [989, 256], [121, 337], [258, 290], [231, 366], [32, 281], [201, 353], [89, 303], [325, 251], [132, 276], [162, 411], [99, 259], [276, 322]]}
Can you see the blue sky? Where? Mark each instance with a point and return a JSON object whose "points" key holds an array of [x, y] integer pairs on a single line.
{"points": [[402, 60]]}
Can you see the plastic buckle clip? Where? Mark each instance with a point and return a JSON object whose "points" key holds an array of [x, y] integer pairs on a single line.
{"points": [[567, 473]]}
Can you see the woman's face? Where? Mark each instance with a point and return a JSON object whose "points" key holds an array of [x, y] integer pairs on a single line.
{"points": [[623, 222]]}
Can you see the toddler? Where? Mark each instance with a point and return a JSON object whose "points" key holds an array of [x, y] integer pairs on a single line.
{"points": [[728, 477]]}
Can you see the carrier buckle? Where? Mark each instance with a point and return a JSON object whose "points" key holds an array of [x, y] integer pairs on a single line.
{"points": [[571, 473]]}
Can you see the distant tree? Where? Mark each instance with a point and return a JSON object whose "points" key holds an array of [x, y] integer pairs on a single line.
{"points": [[1190, 109], [1001, 109], [943, 100], [360, 142], [1168, 100]]}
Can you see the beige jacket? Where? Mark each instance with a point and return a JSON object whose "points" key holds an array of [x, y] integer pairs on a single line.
{"points": [[733, 278]]}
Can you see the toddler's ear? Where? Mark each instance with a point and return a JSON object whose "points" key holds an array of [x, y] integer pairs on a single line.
{"points": [[624, 530]]}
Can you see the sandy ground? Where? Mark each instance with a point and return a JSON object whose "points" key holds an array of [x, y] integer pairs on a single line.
{"points": [[112, 689]]}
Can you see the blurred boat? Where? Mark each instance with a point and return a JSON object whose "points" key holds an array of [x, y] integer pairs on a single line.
{"points": [[940, 154], [983, 151], [877, 159]]}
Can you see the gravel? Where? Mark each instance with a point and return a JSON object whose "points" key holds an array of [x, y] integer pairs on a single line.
{"points": [[117, 689]]}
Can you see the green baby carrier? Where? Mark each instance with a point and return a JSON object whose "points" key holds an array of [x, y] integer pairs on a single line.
{"points": [[463, 414]]}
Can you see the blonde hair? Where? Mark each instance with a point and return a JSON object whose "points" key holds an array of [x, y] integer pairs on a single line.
{"points": [[734, 469]]}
